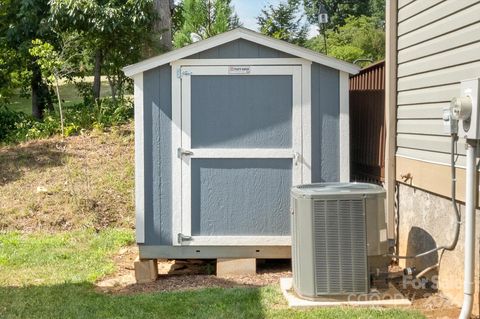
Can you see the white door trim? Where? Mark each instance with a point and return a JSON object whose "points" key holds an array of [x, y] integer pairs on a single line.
{"points": [[181, 196], [239, 241], [242, 153], [176, 163]]}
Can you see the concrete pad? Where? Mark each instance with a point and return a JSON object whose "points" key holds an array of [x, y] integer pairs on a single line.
{"points": [[146, 270], [236, 267], [390, 297]]}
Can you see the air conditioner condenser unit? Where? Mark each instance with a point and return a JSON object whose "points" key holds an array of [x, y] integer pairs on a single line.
{"points": [[336, 229]]}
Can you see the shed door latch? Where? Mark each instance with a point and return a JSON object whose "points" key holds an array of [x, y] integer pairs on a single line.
{"points": [[182, 238], [296, 157], [183, 152]]}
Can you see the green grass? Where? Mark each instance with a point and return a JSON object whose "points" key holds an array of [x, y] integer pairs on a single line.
{"points": [[49, 259], [68, 93], [79, 301], [53, 275]]}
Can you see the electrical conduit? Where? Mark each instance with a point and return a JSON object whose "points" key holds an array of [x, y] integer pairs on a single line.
{"points": [[470, 204]]}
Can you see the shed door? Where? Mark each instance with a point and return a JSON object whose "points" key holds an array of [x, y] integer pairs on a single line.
{"points": [[240, 152]]}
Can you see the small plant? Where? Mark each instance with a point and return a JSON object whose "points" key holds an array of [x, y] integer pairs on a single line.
{"points": [[18, 127]]}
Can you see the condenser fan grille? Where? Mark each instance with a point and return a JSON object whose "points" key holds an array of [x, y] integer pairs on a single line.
{"points": [[340, 246]]}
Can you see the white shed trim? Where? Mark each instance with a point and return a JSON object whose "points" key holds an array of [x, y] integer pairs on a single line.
{"points": [[139, 159], [246, 34], [262, 61], [239, 241], [344, 126], [307, 122], [176, 165]]}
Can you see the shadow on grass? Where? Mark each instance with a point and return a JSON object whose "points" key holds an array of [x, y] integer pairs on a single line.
{"points": [[81, 301], [14, 160]]}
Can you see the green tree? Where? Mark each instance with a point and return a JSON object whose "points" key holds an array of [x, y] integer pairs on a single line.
{"points": [[284, 22], [204, 18], [21, 21], [114, 33], [359, 38], [340, 10]]}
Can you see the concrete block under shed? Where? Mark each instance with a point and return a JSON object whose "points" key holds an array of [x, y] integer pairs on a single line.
{"points": [[146, 270], [236, 266]]}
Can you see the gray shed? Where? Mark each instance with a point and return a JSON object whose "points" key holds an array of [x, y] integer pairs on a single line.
{"points": [[223, 128]]}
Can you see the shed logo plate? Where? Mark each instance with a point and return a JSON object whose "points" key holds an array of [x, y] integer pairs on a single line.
{"points": [[239, 69]]}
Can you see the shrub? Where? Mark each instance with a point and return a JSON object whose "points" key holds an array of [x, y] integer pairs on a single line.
{"points": [[17, 126]]}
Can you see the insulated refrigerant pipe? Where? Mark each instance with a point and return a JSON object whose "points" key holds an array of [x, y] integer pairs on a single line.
{"points": [[470, 205]]}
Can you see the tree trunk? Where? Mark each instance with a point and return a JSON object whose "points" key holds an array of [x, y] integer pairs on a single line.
{"points": [[38, 104], [113, 87], [97, 73], [163, 24]]}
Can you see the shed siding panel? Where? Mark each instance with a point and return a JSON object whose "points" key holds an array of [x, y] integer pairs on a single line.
{"points": [[438, 47], [157, 126], [240, 49], [241, 111], [325, 128], [219, 190]]}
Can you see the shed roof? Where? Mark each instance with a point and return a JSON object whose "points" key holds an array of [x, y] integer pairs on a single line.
{"points": [[240, 33]]}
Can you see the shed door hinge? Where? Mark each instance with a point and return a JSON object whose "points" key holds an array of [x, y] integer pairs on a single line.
{"points": [[181, 73]]}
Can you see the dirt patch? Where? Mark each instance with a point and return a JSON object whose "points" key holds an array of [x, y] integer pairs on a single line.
{"points": [[424, 297], [181, 275], [57, 185]]}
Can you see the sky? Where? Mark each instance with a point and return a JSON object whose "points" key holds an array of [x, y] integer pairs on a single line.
{"points": [[249, 10]]}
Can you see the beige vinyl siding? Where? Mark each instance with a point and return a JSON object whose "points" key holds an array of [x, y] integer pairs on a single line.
{"points": [[425, 12], [421, 111], [461, 19], [438, 46], [410, 12], [403, 3], [449, 41]]}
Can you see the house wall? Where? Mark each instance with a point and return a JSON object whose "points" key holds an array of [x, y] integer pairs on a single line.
{"points": [[437, 47], [426, 221], [157, 143]]}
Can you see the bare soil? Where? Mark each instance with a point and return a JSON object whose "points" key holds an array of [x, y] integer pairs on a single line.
{"points": [[62, 184], [181, 275]]}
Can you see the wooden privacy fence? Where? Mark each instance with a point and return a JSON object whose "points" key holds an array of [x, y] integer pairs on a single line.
{"points": [[367, 124]]}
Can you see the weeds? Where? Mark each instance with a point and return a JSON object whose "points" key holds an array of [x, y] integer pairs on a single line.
{"points": [[18, 127]]}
